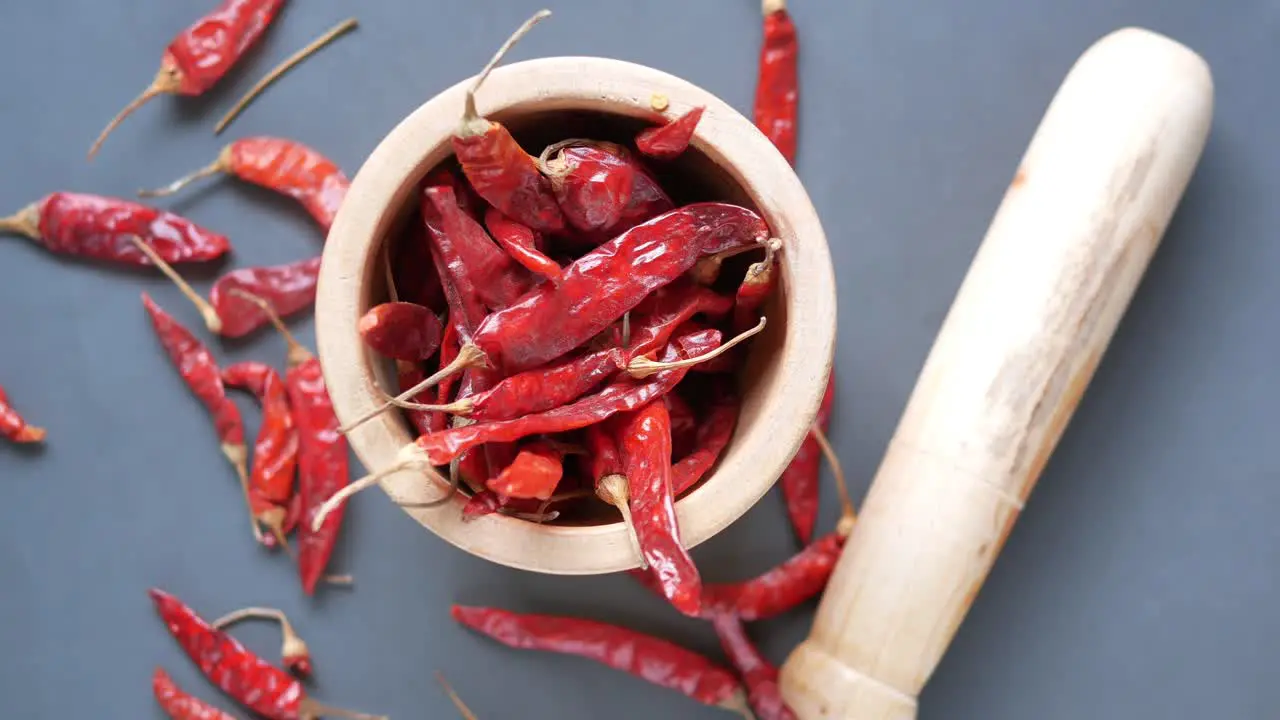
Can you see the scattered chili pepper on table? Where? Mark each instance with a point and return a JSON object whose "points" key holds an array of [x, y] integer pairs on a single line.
{"points": [[667, 142], [777, 86], [652, 659], [758, 674], [782, 588], [275, 450], [799, 480], [104, 228], [14, 427], [285, 166], [180, 705], [290, 288], [199, 56], [294, 653], [242, 675]]}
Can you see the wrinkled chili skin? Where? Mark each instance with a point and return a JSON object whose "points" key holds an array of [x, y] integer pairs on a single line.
{"points": [[670, 307], [602, 285], [199, 371], [777, 88], [592, 182], [289, 288], [179, 705], [543, 389], [667, 142], [322, 467], [660, 662], [534, 473], [401, 331], [621, 395], [799, 480], [645, 444], [603, 457], [275, 450], [713, 435], [759, 675], [14, 427], [243, 676], [782, 588], [293, 169], [508, 178], [521, 243], [756, 286], [103, 228], [458, 280], [205, 51], [498, 279]]}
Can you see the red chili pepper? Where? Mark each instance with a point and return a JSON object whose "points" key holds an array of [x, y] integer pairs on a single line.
{"points": [[800, 480], [200, 372], [684, 426], [449, 348], [756, 286], [783, 588], [487, 502], [179, 705], [499, 169], [285, 166], [778, 87], [242, 675], [592, 181], [644, 656], [275, 451], [467, 250], [201, 54], [290, 288], [667, 142], [645, 445], [534, 473], [104, 228], [670, 307], [293, 650], [13, 427], [521, 243], [713, 434], [414, 271], [401, 330], [758, 674]]}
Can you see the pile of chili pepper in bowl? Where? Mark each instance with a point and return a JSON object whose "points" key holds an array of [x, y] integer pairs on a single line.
{"points": [[576, 316]]}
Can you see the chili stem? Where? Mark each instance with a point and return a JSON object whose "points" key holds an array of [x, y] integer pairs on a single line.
{"points": [[469, 356], [772, 6], [410, 457], [392, 294], [531, 517], [292, 643], [238, 456], [461, 407], [25, 222], [222, 164], [309, 709], [455, 483], [463, 710], [167, 80], [211, 319], [289, 63], [626, 328], [847, 515], [472, 123], [771, 248], [615, 490], [297, 354], [643, 367], [738, 702], [707, 269]]}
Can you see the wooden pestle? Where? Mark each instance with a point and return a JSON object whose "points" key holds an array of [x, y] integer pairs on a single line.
{"points": [[1056, 270]]}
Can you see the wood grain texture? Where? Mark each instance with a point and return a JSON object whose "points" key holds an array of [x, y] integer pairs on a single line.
{"points": [[788, 365], [1064, 253]]}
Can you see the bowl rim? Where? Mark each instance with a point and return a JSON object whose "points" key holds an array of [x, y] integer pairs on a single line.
{"points": [[756, 455]]}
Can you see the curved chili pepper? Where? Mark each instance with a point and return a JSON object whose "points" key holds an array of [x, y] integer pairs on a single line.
{"points": [[778, 87], [713, 435], [198, 57], [14, 427], [290, 288], [180, 705], [782, 588], [607, 473], [449, 348], [644, 656], [498, 281], [285, 166], [401, 331], [670, 307], [667, 142], [645, 445], [200, 372], [275, 451], [521, 243], [242, 675], [104, 228], [592, 181], [499, 169], [799, 480], [758, 674], [294, 652], [534, 473]]}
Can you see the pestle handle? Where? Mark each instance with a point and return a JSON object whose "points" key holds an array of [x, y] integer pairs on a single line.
{"points": [[1062, 257]]}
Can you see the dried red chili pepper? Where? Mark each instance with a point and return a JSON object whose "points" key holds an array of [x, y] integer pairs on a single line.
{"points": [[293, 650], [758, 674], [496, 279], [180, 705], [606, 471], [756, 286], [413, 271], [290, 288], [713, 434], [401, 330], [275, 450], [449, 348], [104, 228], [780, 589], [534, 473], [799, 480], [778, 86], [670, 307], [242, 675], [285, 166], [202, 53], [14, 427], [521, 243], [200, 372], [592, 181], [499, 169], [667, 142], [645, 445], [652, 659]]}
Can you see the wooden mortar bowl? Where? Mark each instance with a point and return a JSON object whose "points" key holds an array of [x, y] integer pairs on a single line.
{"points": [[543, 101]]}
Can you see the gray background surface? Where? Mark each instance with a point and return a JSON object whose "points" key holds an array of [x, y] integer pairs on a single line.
{"points": [[1142, 581]]}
